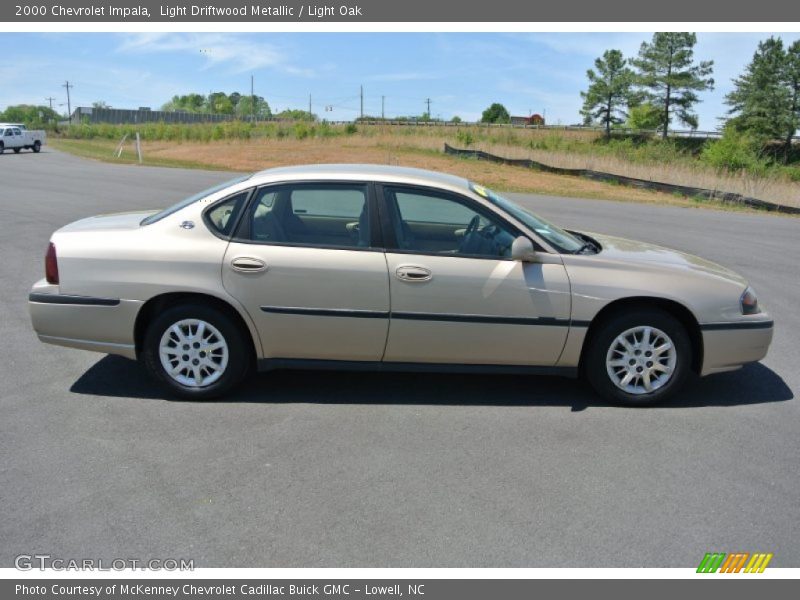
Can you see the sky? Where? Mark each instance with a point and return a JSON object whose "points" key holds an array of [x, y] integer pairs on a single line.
{"points": [[461, 73]]}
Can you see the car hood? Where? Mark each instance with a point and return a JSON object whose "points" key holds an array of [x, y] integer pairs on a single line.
{"points": [[631, 251], [110, 222]]}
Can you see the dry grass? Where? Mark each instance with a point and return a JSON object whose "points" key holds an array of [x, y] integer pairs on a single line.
{"points": [[411, 151]]}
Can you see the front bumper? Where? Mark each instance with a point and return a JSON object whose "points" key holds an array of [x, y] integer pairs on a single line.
{"points": [[728, 346], [89, 323]]}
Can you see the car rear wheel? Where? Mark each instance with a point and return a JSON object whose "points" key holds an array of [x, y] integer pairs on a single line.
{"points": [[37, 145], [16, 150], [639, 358], [197, 352]]}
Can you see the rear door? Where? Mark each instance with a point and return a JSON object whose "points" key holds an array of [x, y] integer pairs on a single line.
{"points": [[457, 296], [307, 263]]}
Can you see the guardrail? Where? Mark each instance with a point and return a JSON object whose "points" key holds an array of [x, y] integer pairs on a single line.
{"points": [[725, 197]]}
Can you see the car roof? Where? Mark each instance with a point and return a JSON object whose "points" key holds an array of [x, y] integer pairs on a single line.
{"points": [[368, 172]]}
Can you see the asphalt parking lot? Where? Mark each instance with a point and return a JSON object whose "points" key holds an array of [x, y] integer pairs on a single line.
{"points": [[304, 469]]}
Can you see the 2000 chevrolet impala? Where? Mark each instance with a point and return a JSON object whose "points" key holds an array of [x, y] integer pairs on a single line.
{"points": [[353, 266]]}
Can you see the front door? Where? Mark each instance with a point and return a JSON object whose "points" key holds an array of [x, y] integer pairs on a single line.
{"points": [[457, 297], [304, 266]]}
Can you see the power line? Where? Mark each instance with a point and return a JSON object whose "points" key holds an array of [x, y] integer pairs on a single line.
{"points": [[69, 105]]}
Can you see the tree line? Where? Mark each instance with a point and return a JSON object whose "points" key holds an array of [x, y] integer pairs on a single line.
{"points": [[220, 103], [663, 82]]}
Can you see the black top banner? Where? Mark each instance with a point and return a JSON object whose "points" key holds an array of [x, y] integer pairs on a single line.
{"points": [[367, 11]]}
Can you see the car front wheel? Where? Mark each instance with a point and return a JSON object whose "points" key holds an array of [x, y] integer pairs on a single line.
{"points": [[197, 352], [639, 358]]}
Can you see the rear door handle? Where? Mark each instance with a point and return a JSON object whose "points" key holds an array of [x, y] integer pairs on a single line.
{"points": [[413, 273], [248, 264]]}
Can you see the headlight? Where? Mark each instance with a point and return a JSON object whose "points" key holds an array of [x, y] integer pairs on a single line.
{"points": [[749, 302]]}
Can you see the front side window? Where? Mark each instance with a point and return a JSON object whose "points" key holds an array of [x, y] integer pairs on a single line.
{"points": [[438, 223], [315, 214], [9, 133]]}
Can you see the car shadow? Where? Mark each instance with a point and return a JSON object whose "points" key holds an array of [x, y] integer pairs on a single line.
{"points": [[114, 376]]}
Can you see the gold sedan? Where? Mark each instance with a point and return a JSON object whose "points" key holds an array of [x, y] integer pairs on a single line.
{"points": [[373, 267]]}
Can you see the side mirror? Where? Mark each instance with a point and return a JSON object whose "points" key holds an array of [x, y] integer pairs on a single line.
{"points": [[522, 250]]}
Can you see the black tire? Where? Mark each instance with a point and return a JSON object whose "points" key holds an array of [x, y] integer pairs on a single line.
{"points": [[596, 371], [37, 145], [2, 147], [238, 346], [17, 150]]}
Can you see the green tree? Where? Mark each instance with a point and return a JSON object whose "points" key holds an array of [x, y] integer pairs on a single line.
{"points": [[31, 115], [793, 81], [609, 90], [735, 150], [496, 113], [765, 101], [100, 104], [670, 79], [455, 119], [219, 103], [187, 103], [293, 114], [253, 105], [643, 116], [761, 100]]}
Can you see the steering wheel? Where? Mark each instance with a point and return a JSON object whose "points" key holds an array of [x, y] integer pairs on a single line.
{"points": [[472, 227]]}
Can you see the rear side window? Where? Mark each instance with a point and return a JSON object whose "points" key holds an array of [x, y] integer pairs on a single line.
{"points": [[334, 215], [222, 217], [324, 202]]}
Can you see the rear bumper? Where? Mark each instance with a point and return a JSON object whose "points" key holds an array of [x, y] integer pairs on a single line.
{"points": [[728, 346], [89, 323]]}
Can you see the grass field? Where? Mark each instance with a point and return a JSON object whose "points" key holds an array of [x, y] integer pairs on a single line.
{"points": [[239, 148]]}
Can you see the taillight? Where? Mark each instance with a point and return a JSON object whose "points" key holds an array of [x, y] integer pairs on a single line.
{"points": [[51, 264]]}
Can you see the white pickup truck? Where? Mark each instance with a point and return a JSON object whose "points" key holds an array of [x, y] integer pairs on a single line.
{"points": [[14, 136]]}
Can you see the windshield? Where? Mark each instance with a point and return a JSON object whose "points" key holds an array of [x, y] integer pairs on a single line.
{"points": [[560, 239], [191, 200]]}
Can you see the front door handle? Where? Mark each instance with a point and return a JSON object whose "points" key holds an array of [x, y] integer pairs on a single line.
{"points": [[248, 264], [413, 273]]}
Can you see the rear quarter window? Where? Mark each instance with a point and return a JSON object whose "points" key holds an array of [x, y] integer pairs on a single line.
{"points": [[222, 217]]}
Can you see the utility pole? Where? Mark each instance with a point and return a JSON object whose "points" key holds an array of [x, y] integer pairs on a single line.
{"points": [[383, 104], [50, 100], [69, 105], [428, 102], [362, 101], [252, 100], [309, 106]]}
